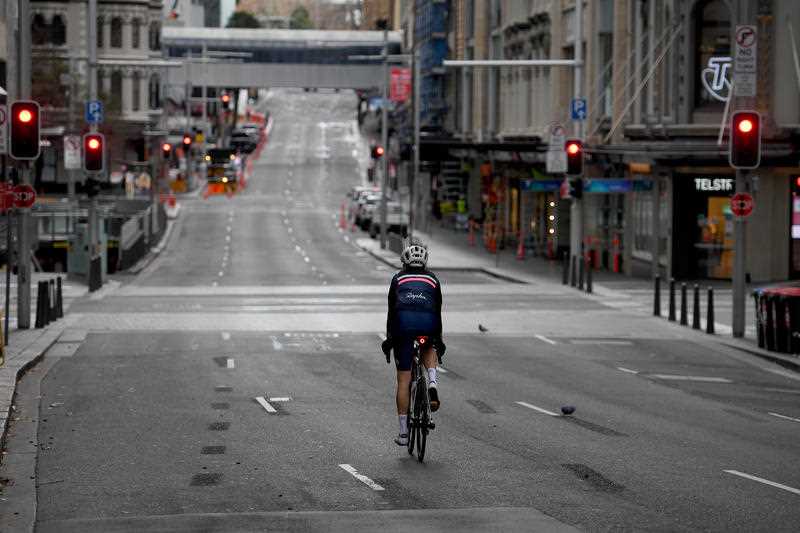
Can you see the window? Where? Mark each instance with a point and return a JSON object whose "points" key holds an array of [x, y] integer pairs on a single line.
{"points": [[712, 39], [155, 36], [38, 30], [135, 33], [58, 31], [155, 90], [116, 32], [115, 98], [137, 91], [100, 31]]}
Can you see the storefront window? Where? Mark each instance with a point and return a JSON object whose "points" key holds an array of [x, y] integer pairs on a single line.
{"points": [[712, 39]]}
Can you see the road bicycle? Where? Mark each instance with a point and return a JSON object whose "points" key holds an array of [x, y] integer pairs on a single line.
{"points": [[419, 406]]}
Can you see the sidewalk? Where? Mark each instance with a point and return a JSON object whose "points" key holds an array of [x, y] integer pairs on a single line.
{"points": [[450, 250]]}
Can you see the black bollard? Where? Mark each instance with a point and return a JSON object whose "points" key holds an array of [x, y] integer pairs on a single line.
{"points": [[46, 304], [684, 310], [672, 300], [573, 274], [710, 312], [696, 308], [51, 300], [565, 268], [59, 298], [589, 278], [657, 297], [581, 271], [39, 308]]}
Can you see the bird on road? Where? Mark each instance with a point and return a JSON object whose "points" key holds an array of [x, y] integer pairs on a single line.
{"points": [[482, 328]]}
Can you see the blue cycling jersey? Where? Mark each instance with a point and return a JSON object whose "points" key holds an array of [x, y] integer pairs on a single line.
{"points": [[415, 304]]}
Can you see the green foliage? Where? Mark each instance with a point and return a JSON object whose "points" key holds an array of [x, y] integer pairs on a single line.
{"points": [[243, 19], [300, 19]]}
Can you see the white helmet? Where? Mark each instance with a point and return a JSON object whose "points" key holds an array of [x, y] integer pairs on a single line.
{"points": [[415, 254]]}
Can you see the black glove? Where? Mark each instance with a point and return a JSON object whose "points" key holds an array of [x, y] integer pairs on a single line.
{"points": [[386, 346]]}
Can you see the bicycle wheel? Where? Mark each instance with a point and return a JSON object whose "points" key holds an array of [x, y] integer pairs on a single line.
{"points": [[410, 420], [423, 418]]}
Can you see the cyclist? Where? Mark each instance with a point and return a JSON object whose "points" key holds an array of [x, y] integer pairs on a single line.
{"points": [[415, 309]]}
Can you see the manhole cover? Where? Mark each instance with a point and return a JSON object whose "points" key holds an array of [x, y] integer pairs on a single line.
{"points": [[219, 426], [213, 450], [204, 480]]}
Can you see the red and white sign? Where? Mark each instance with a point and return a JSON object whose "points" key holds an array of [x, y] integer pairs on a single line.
{"points": [[741, 204], [400, 84]]}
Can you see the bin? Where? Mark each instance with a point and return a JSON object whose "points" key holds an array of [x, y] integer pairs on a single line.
{"points": [[779, 317], [793, 324], [757, 295], [769, 322]]}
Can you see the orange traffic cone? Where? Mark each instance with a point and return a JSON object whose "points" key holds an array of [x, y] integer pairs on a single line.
{"points": [[342, 220], [520, 250]]}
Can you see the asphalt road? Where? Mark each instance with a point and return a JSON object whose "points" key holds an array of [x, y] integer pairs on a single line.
{"points": [[154, 424]]}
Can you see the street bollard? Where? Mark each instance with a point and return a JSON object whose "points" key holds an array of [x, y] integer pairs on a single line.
{"points": [[564, 268], [39, 317], [684, 310], [657, 297], [671, 300], [59, 298], [581, 272], [589, 278], [710, 312], [696, 308], [573, 274], [52, 313]]}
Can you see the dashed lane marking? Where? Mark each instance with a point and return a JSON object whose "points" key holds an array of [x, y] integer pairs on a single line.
{"points": [[266, 405], [226, 336], [280, 399], [601, 341], [229, 363], [764, 481], [545, 339], [539, 409], [786, 417], [276, 344], [361, 477], [628, 370], [706, 379]]}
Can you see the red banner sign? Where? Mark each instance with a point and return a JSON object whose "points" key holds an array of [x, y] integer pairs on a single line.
{"points": [[400, 84]]}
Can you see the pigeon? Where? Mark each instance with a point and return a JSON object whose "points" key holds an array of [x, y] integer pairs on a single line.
{"points": [[567, 409], [482, 329]]}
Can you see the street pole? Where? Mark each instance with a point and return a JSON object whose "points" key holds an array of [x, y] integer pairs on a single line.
{"points": [[23, 229], [415, 183], [576, 210], [739, 227], [205, 102], [73, 92], [91, 46], [188, 110], [384, 135]]}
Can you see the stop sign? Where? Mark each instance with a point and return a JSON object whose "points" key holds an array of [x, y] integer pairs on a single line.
{"points": [[742, 204], [24, 196]]}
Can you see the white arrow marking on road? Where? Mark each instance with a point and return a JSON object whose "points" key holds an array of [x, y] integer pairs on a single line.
{"points": [[265, 404], [544, 411], [545, 339], [361, 477], [786, 417], [226, 336], [708, 379], [628, 370], [276, 345], [764, 481], [229, 363]]}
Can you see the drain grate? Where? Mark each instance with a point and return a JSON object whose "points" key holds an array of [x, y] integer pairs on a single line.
{"points": [[213, 450], [220, 405], [593, 427], [593, 478], [223, 389], [205, 480], [481, 406], [219, 426]]}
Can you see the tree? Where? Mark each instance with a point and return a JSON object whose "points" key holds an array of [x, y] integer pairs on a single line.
{"points": [[243, 19], [300, 19]]}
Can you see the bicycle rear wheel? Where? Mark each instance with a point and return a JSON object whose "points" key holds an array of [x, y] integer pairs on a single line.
{"points": [[410, 420], [422, 419]]}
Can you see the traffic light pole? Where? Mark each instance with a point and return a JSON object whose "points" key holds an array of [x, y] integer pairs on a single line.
{"points": [[739, 265], [384, 137], [91, 45], [576, 209], [24, 216]]}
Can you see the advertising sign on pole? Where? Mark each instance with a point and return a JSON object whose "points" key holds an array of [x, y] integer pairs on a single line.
{"points": [[745, 62], [400, 84], [72, 152]]}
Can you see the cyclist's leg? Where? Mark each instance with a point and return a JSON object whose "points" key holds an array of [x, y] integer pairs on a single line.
{"points": [[430, 361], [402, 357]]}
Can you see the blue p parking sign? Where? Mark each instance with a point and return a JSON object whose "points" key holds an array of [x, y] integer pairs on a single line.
{"points": [[94, 112], [578, 108]]}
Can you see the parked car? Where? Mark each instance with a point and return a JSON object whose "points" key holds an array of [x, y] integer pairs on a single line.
{"points": [[396, 220], [354, 196], [366, 209], [243, 141]]}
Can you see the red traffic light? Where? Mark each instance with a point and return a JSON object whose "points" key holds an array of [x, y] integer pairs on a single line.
{"points": [[24, 130], [25, 116], [745, 142], [93, 152], [574, 149], [379, 150], [745, 126], [166, 147], [93, 144], [226, 98], [187, 140]]}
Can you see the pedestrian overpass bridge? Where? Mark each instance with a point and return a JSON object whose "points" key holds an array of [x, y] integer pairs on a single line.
{"points": [[235, 57]]}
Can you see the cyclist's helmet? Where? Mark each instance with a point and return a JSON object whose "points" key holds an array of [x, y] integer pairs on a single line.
{"points": [[415, 254]]}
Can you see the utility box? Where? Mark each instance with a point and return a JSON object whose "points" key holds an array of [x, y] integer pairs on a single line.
{"points": [[78, 256]]}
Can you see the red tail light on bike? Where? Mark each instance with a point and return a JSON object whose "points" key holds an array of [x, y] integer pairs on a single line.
{"points": [[423, 340]]}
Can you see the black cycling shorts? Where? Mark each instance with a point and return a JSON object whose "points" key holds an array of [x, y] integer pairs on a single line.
{"points": [[403, 348]]}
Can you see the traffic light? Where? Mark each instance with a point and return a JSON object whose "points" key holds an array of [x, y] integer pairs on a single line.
{"points": [[576, 187], [796, 185], [226, 98], [25, 130], [377, 152], [166, 150], [94, 147], [745, 143], [187, 140], [574, 149]]}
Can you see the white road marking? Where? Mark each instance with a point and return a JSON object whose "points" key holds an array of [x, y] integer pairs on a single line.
{"points": [[266, 405], [361, 477], [227, 228], [306, 259], [290, 230], [214, 284], [227, 238], [600, 341], [707, 379], [545, 339], [221, 273], [628, 370], [544, 411], [346, 238], [276, 345], [786, 417], [764, 481], [226, 336], [229, 363], [281, 399]]}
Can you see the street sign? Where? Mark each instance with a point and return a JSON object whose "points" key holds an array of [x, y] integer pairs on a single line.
{"points": [[577, 108], [400, 84], [72, 152], [94, 112], [3, 129], [745, 61], [556, 160], [741, 204], [24, 196]]}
